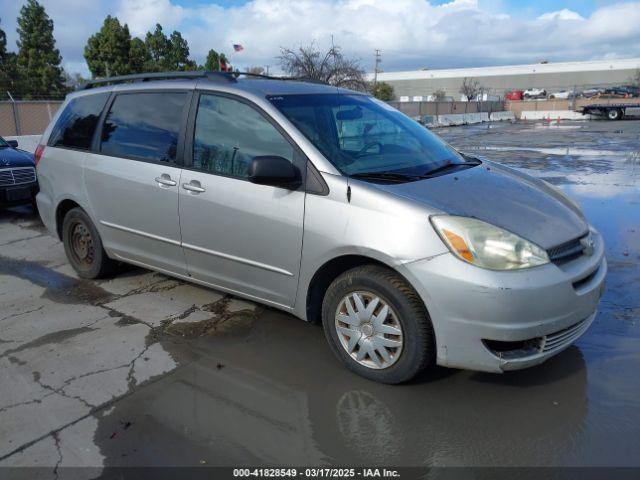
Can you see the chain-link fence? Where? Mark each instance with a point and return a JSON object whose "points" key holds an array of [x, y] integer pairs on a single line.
{"points": [[26, 117]]}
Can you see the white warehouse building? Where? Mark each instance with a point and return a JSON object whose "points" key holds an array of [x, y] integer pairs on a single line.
{"points": [[417, 85]]}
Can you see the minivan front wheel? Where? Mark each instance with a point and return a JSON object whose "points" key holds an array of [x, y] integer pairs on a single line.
{"points": [[83, 246], [377, 325]]}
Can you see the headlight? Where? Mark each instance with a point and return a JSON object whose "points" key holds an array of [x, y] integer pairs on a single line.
{"points": [[486, 245]]}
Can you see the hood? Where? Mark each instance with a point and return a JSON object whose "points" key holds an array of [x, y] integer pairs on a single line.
{"points": [[10, 157], [502, 197]]}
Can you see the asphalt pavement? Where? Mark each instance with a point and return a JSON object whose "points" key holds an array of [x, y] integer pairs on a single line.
{"points": [[143, 369]]}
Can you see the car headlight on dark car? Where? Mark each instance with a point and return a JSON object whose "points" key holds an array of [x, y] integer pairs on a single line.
{"points": [[487, 246]]}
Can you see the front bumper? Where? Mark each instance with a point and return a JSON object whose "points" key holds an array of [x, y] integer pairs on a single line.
{"points": [[18, 194], [541, 310]]}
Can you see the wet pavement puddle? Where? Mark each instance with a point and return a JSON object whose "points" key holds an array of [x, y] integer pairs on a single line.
{"points": [[241, 385]]}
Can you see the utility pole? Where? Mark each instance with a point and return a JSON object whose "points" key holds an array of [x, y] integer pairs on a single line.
{"points": [[378, 58]]}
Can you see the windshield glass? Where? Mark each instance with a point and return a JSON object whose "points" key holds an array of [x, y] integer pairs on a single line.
{"points": [[360, 134], [3, 143]]}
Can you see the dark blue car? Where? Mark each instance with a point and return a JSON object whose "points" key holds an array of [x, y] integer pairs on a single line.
{"points": [[18, 183]]}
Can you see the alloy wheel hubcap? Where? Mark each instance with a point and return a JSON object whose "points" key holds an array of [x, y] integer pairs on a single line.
{"points": [[369, 330]]}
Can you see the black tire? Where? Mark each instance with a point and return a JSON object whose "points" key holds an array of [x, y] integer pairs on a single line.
{"points": [[419, 346], [83, 246], [614, 114]]}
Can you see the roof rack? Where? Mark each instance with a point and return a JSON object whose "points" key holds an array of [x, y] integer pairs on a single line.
{"points": [[145, 77], [229, 77]]}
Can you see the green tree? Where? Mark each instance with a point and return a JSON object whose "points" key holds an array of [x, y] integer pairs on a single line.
{"points": [[3, 43], [139, 57], [38, 59], [178, 54], [167, 53], [108, 51], [158, 46], [7, 67], [213, 61], [383, 91]]}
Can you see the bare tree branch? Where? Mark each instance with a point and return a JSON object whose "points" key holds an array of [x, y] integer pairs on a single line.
{"points": [[308, 62], [470, 88]]}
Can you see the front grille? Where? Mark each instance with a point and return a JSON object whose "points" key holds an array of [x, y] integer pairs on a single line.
{"points": [[566, 251], [561, 338], [17, 176]]}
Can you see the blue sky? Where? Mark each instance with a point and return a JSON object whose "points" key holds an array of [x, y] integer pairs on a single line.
{"points": [[516, 7], [411, 33]]}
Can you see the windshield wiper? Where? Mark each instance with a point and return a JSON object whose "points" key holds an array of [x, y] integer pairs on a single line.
{"points": [[386, 176], [403, 177], [449, 166]]}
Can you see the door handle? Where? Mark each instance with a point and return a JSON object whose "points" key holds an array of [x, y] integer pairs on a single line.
{"points": [[165, 180], [193, 186]]}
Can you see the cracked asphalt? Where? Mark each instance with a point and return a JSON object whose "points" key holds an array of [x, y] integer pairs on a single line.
{"points": [[143, 369]]}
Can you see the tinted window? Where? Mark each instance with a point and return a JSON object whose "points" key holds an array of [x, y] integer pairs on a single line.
{"points": [[77, 123], [144, 125], [229, 133]]}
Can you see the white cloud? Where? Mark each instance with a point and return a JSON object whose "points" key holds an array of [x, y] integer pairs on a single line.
{"points": [[410, 33], [415, 33], [142, 15], [563, 14]]}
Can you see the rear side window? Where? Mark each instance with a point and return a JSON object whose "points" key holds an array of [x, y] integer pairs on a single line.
{"points": [[77, 122], [144, 126]]}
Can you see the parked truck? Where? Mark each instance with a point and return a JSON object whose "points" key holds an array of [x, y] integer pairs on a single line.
{"points": [[611, 111]]}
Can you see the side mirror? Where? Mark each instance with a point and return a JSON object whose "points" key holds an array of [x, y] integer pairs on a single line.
{"points": [[13, 143], [274, 171]]}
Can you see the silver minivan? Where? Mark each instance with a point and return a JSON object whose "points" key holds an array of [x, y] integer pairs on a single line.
{"points": [[328, 204]]}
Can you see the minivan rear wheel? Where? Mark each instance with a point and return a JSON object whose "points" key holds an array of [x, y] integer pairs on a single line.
{"points": [[377, 325], [83, 246]]}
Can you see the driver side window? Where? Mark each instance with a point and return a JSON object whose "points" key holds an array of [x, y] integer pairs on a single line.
{"points": [[229, 133]]}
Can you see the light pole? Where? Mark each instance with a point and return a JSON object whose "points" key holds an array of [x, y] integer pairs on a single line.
{"points": [[378, 59]]}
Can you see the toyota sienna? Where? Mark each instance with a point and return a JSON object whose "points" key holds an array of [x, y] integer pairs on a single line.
{"points": [[325, 203]]}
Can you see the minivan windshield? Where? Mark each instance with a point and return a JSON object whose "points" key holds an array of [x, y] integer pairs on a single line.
{"points": [[362, 136]]}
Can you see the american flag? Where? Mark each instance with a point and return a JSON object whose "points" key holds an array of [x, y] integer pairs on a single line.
{"points": [[237, 47]]}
